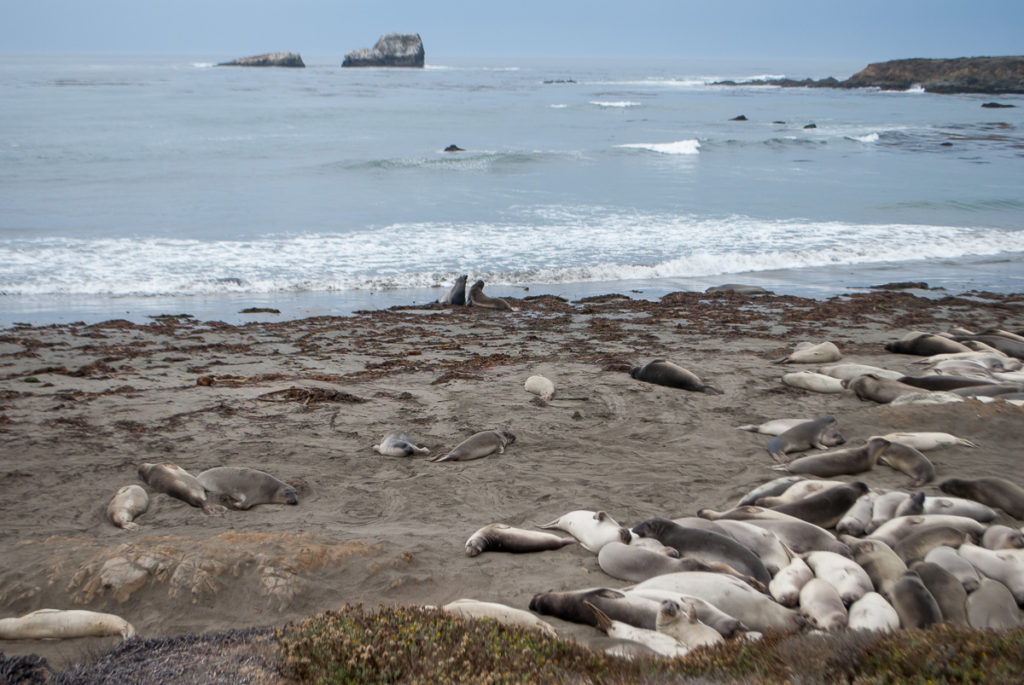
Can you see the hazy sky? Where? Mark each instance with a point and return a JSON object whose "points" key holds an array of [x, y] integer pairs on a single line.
{"points": [[859, 30]]}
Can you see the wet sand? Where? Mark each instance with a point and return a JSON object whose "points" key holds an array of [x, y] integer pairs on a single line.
{"points": [[81, 406]]}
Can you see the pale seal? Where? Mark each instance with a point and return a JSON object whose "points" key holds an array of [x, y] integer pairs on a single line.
{"points": [[1006, 566], [958, 506], [786, 584], [457, 295], [801, 536], [847, 371], [882, 390], [849, 461], [678, 619], [821, 605], [913, 602], [662, 644], [510, 616], [476, 298], [885, 508], [809, 353], [873, 612], [1002, 537], [635, 563], [772, 488], [244, 488], [855, 520], [992, 607], [900, 527], [815, 382], [821, 433], [963, 570], [773, 427], [707, 613], [500, 537], [59, 624], [593, 529], [948, 592], [825, 508], [663, 372], [994, 492], [540, 386], [847, 576], [764, 543], [908, 460], [479, 445], [398, 444], [926, 441], [798, 491], [175, 481], [129, 501]]}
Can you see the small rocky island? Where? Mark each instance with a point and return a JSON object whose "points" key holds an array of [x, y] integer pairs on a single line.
{"points": [[271, 59], [993, 75], [391, 50]]}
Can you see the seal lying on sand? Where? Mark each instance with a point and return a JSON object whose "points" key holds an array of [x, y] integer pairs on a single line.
{"points": [[662, 372], [399, 444], [129, 502], [55, 624], [821, 433], [499, 537], [995, 492], [244, 488], [479, 445], [175, 481], [476, 298]]}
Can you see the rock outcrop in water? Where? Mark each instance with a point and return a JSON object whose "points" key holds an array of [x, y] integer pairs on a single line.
{"points": [[995, 75], [271, 59], [391, 50]]}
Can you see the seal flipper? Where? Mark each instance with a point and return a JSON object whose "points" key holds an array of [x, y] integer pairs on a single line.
{"points": [[603, 622], [711, 390]]}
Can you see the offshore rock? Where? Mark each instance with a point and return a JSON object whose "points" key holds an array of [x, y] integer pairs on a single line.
{"points": [[391, 50], [271, 59]]}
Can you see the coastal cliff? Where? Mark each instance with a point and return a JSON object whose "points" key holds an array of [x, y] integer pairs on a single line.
{"points": [[271, 59], [391, 50], [993, 75]]}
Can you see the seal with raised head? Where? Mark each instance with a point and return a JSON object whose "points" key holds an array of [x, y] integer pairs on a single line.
{"points": [[820, 433], [175, 481], [58, 624], [244, 488], [849, 461], [662, 644], [825, 508], [995, 492], [569, 606], [129, 501], [479, 445], [678, 618], [663, 372], [457, 295], [500, 537], [398, 444], [477, 298]]}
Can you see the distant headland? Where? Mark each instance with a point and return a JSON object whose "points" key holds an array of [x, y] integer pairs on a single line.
{"points": [[992, 75]]}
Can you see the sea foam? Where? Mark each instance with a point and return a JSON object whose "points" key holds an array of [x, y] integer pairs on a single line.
{"points": [[679, 147]]}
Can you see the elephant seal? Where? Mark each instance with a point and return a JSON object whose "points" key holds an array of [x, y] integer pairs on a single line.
{"points": [[801, 536], [916, 545], [457, 295], [635, 563], [809, 353], [994, 492], [948, 592], [738, 288], [925, 345], [821, 605], [593, 529], [815, 382], [963, 570], [881, 390], [847, 576], [883, 566], [129, 501], [908, 460], [764, 543], [992, 607], [510, 616], [706, 612], [1002, 537], [825, 508], [856, 518], [704, 545], [772, 488], [476, 298], [660, 643], [1003, 565], [398, 444], [773, 427], [938, 382], [663, 372], [845, 462], [873, 612], [914, 603], [59, 624], [637, 611], [678, 619], [900, 527], [798, 491], [926, 441], [479, 445], [175, 481], [847, 371], [244, 488], [540, 386], [821, 433], [787, 583], [911, 506], [958, 506], [500, 537], [885, 508]]}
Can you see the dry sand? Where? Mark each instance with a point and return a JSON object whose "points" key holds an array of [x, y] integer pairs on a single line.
{"points": [[372, 529]]}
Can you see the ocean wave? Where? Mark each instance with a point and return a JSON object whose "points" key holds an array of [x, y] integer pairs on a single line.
{"points": [[867, 138], [679, 147], [616, 103]]}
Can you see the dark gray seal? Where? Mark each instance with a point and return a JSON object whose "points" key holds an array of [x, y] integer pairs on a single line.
{"points": [[663, 372], [913, 602], [825, 508], [476, 298], [910, 461], [738, 288], [949, 593], [840, 462], [175, 481], [479, 445], [635, 563], [821, 433], [244, 488], [457, 295], [500, 537], [925, 345], [940, 382], [569, 606], [995, 492]]}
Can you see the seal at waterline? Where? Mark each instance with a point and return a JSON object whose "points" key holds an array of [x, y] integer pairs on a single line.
{"points": [[244, 488], [58, 624], [663, 372], [992, 491], [501, 537], [398, 444], [457, 295], [479, 445], [129, 502], [821, 433], [175, 481], [476, 298]]}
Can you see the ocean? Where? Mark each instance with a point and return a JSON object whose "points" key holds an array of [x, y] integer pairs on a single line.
{"points": [[137, 186]]}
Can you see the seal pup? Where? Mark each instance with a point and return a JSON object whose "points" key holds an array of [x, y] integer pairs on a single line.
{"points": [[500, 537], [992, 607], [991, 491], [398, 444], [773, 427], [900, 527], [738, 288], [821, 606], [1002, 537], [787, 583], [540, 386], [60, 624], [457, 295], [913, 602], [948, 592], [885, 508], [175, 481], [772, 488], [479, 445], [815, 382], [845, 462], [942, 383], [593, 529], [926, 441], [856, 519], [706, 612], [510, 616], [129, 501], [764, 543], [663, 372], [635, 610], [873, 612], [925, 345], [663, 644], [825, 508], [476, 298], [801, 536], [244, 488], [882, 390], [883, 566], [908, 460], [678, 619], [821, 433], [809, 353], [963, 570], [847, 576]]}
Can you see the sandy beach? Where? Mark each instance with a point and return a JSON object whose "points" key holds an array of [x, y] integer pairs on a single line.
{"points": [[82, 406]]}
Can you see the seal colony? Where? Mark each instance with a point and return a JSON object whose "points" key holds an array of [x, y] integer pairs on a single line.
{"points": [[636, 451]]}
